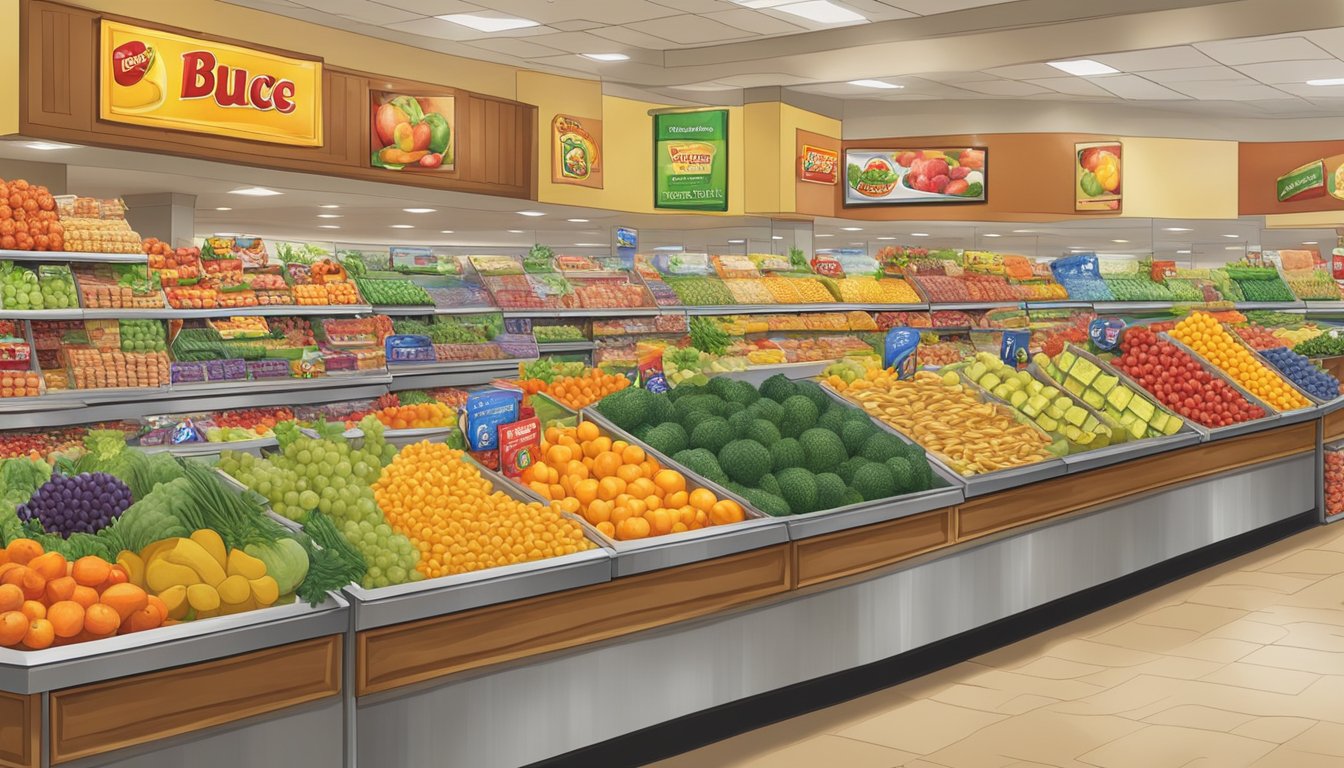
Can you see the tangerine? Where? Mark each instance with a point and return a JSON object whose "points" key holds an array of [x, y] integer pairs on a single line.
{"points": [[40, 635]]}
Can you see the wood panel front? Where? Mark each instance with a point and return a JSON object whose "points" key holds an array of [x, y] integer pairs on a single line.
{"points": [[1333, 426], [402, 654], [20, 730], [845, 553], [100, 718], [1039, 501]]}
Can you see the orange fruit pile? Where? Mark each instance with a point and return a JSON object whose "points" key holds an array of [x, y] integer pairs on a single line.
{"points": [[625, 493], [575, 392], [1206, 336], [459, 522], [421, 416], [46, 601]]}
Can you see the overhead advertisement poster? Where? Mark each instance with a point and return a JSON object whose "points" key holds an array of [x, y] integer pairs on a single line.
{"points": [[1096, 171], [690, 160], [412, 133], [576, 151], [165, 80], [915, 176]]}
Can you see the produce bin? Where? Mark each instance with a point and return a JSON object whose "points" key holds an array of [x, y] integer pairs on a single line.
{"points": [[201, 449], [1273, 415], [654, 553], [1333, 485]]}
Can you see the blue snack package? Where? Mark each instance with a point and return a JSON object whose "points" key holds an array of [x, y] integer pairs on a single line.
{"points": [[651, 376], [483, 414], [1013, 348], [900, 351], [1105, 332]]}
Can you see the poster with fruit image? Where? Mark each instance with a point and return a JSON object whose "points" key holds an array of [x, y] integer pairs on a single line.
{"points": [[1096, 170], [576, 151], [915, 176], [412, 133]]}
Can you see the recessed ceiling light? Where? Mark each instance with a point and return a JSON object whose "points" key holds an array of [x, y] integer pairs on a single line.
{"points": [[1176, 229], [886, 238], [824, 235], [1327, 81], [327, 226], [919, 234], [1233, 236], [255, 192], [1309, 242], [515, 231], [1233, 248], [606, 56], [418, 210], [328, 215], [776, 237], [736, 242], [1083, 67], [1184, 251], [856, 243], [1023, 231], [226, 234], [403, 226], [487, 23], [993, 234], [531, 213], [223, 208], [875, 84], [590, 245], [577, 221], [329, 205], [445, 231], [1119, 241], [48, 146], [852, 229], [821, 11]]}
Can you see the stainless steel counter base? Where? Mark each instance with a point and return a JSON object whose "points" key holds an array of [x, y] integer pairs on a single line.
{"points": [[590, 694]]}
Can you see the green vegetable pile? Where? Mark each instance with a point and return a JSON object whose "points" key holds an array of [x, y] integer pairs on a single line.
{"points": [[392, 292], [549, 369], [142, 336], [1133, 288], [698, 291], [552, 334], [1328, 344], [460, 329], [787, 447], [707, 335]]}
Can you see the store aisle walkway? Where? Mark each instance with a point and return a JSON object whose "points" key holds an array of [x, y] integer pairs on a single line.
{"points": [[1241, 665]]}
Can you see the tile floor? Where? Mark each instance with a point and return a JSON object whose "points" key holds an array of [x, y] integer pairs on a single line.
{"points": [[1238, 666]]}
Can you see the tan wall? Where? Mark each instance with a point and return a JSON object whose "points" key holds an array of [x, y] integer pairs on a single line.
{"points": [[9, 67], [1180, 178]]}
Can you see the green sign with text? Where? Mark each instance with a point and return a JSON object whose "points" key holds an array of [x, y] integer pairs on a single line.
{"points": [[690, 161]]}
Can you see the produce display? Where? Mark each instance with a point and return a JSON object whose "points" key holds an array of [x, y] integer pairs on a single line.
{"points": [[1328, 344], [557, 334], [1210, 340], [1179, 382], [952, 423], [19, 288], [417, 416], [1074, 427], [699, 291], [1303, 373], [617, 487], [749, 291], [1257, 337], [386, 292], [1334, 480], [90, 225], [1133, 287], [581, 391], [245, 424], [28, 218], [20, 384], [1259, 283], [142, 336]]}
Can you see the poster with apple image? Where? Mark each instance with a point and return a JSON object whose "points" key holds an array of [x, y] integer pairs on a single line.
{"points": [[412, 133], [1097, 178], [916, 176]]}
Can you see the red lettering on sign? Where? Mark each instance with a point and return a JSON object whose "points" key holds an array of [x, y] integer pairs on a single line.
{"points": [[203, 76]]}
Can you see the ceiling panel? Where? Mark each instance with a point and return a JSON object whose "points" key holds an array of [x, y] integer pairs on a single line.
{"points": [[435, 28], [689, 29], [576, 42], [365, 11], [1215, 73], [431, 7], [931, 7], [1258, 50], [1002, 88], [1024, 71], [1156, 58], [1076, 86], [1135, 87], [754, 22], [634, 37], [605, 11], [1294, 71], [1228, 92]]}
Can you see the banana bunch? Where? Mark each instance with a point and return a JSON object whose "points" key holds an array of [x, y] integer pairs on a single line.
{"points": [[199, 577]]}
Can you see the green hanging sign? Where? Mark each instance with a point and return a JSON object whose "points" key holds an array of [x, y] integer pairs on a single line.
{"points": [[690, 161]]}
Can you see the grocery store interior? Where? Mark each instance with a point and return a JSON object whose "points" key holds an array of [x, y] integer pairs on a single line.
{"points": [[712, 383]]}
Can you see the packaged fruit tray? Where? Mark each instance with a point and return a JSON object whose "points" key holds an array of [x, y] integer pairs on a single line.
{"points": [[1207, 433], [656, 552], [986, 482]]}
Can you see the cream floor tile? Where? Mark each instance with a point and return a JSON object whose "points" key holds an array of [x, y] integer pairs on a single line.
{"points": [[933, 683], [1025, 703], [1275, 582], [1201, 717], [1301, 659], [827, 750], [1237, 596], [1322, 738], [921, 727], [1162, 666], [1286, 757], [1217, 649], [1065, 690], [1138, 693], [1192, 616], [1040, 736], [1262, 678], [1275, 729], [1307, 562], [1282, 615], [974, 697], [1313, 635], [1161, 746], [1143, 637], [1052, 668], [1251, 631], [1089, 652]]}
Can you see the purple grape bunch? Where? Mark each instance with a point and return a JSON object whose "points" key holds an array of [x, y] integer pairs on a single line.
{"points": [[84, 503]]}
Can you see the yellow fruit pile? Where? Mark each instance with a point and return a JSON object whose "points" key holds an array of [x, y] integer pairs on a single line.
{"points": [[949, 420], [201, 574], [873, 378], [1204, 334], [459, 522], [622, 491], [797, 290], [1293, 336]]}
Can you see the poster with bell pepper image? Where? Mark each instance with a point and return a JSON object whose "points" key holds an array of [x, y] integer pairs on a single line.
{"points": [[1097, 176], [412, 133]]}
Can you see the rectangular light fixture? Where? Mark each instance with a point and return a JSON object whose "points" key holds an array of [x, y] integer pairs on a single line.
{"points": [[418, 210], [820, 11], [875, 84], [606, 56], [1083, 67], [487, 23], [1327, 81], [48, 146], [255, 192], [531, 213], [1176, 229]]}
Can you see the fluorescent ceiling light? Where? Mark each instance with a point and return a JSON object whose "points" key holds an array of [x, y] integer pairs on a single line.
{"points": [[1119, 241], [577, 221], [1023, 231], [1083, 67], [820, 11], [531, 213], [590, 245], [852, 229], [886, 238], [515, 231], [418, 210], [919, 234], [403, 226], [1233, 248], [255, 192], [606, 56], [824, 235], [762, 3], [445, 231], [992, 234], [327, 226], [48, 146], [736, 242], [1327, 81], [1231, 235], [226, 234], [1176, 229], [223, 208], [329, 205], [874, 84], [1309, 242], [1184, 251], [328, 215], [776, 237], [487, 23]]}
